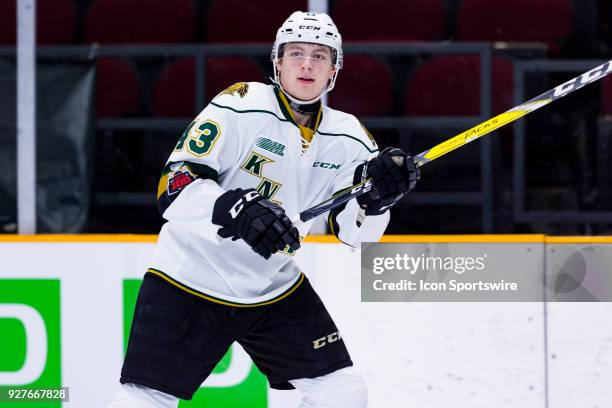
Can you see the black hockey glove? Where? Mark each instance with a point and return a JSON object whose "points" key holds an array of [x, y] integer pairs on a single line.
{"points": [[262, 224], [393, 172]]}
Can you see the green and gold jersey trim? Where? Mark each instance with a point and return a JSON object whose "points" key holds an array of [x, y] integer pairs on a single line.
{"points": [[288, 117], [224, 302], [249, 111], [306, 132], [350, 137], [333, 213], [285, 107]]}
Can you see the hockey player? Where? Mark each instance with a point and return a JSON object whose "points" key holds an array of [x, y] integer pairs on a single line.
{"points": [[223, 269]]}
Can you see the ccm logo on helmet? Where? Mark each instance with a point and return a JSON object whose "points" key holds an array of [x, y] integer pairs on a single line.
{"points": [[324, 341], [305, 27]]}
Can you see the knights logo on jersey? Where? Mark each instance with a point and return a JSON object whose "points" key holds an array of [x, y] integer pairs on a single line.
{"points": [[241, 87], [179, 179]]}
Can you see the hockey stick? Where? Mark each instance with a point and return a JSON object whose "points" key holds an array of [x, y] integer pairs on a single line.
{"points": [[467, 136]]}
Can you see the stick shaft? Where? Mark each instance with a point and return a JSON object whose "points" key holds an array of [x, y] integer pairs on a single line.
{"points": [[515, 113], [470, 135]]}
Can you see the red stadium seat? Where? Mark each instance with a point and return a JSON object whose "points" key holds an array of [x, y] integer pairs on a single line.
{"points": [[174, 93], [141, 21], [606, 96], [548, 21], [363, 88], [117, 88], [248, 21], [389, 20], [450, 86], [55, 21]]}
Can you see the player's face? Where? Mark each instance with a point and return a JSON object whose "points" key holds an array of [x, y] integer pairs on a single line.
{"points": [[305, 69]]}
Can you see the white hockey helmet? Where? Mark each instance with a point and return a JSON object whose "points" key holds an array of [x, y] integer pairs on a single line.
{"points": [[316, 28]]}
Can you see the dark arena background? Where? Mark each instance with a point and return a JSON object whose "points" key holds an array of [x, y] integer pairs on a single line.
{"points": [[415, 74], [95, 94]]}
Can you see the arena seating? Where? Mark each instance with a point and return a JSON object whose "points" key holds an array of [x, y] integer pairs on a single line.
{"points": [[55, 22], [230, 21], [364, 87], [174, 93], [144, 22], [450, 86], [606, 96], [117, 88], [389, 20], [365, 84], [547, 21]]}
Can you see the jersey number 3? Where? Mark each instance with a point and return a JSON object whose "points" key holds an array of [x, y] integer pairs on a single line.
{"points": [[199, 137]]}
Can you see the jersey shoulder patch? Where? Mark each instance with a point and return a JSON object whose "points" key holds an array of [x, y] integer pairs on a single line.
{"points": [[246, 97], [239, 88]]}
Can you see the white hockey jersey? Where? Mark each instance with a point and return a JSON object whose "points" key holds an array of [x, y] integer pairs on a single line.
{"points": [[247, 138]]}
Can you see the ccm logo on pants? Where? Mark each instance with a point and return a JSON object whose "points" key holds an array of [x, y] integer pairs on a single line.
{"points": [[323, 341]]}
